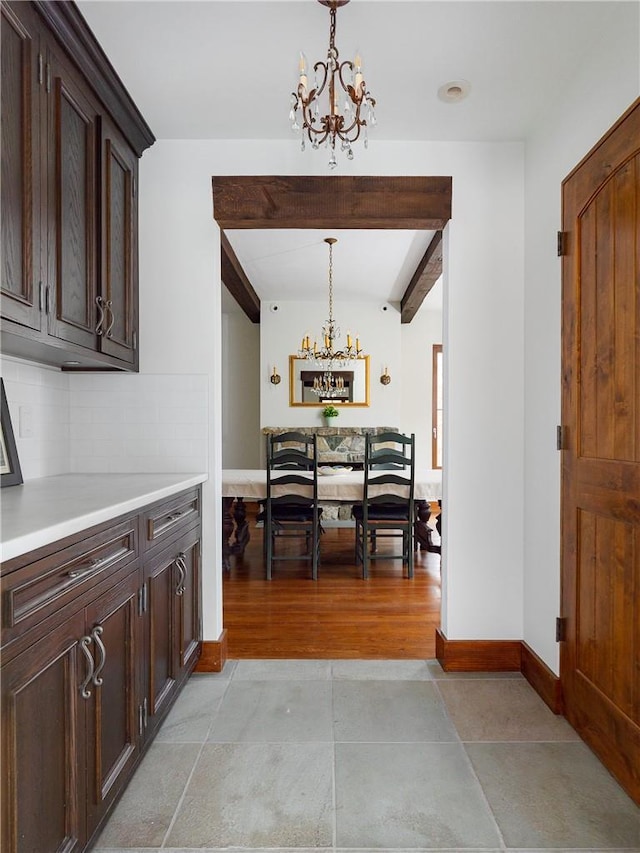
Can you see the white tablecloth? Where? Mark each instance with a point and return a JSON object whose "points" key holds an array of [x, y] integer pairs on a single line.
{"points": [[252, 485]]}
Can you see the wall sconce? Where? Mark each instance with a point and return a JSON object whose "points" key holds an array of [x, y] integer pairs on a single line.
{"points": [[385, 379], [275, 377]]}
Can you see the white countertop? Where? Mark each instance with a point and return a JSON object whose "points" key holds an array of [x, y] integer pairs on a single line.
{"points": [[42, 511]]}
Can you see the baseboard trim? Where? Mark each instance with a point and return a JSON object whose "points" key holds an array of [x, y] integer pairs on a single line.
{"points": [[214, 654], [478, 655], [542, 679], [501, 656]]}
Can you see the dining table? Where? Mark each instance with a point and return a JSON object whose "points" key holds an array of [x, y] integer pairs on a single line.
{"points": [[240, 485]]}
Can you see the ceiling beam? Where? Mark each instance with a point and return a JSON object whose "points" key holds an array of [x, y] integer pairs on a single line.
{"points": [[410, 203], [237, 282], [427, 273]]}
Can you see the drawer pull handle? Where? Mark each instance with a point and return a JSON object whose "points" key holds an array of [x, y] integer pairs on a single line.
{"points": [[182, 568], [97, 634], [85, 642], [96, 563]]}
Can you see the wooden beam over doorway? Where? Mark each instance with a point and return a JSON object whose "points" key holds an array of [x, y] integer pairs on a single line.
{"points": [[427, 273], [337, 202], [237, 282]]}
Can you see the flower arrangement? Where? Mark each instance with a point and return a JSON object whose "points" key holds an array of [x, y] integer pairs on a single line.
{"points": [[330, 412]]}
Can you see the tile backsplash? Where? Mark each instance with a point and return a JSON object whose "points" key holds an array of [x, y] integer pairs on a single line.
{"points": [[106, 423], [38, 398]]}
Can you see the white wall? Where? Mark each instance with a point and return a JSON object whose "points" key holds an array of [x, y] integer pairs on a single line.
{"points": [[415, 378], [241, 386], [281, 335], [587, 106], [180, 310]]}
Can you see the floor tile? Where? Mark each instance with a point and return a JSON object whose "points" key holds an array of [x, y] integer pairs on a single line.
{"points": [[146, 809], [271, 711], [409, 795], [381, 670], [190, 718], [226, 673], [258, 795], [390, 711], [496, 710], [554, 795], [289, 670]]}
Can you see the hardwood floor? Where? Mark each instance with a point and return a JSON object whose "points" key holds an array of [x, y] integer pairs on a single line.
{"points": [[339, 615]]}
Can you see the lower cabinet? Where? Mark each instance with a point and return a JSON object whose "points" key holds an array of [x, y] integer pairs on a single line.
{"points": [[84, 691], [172, 578]]}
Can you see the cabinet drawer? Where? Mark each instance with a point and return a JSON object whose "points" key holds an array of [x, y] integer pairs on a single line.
{"points": [[171, 517], [33, 592]]}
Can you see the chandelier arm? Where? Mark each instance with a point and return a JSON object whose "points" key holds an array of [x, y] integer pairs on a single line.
{"points": [[325, 69], [347, 88]]}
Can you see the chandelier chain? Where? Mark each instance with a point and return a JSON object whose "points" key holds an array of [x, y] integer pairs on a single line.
{"points": [[331, 285]]}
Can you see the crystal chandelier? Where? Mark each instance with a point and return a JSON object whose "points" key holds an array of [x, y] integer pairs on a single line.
{"points": [[335, 79], [327, 358]]}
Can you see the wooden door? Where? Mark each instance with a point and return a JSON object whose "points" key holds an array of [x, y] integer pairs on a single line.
{"points": [[22, 71], [43, 741], [113, 737], [118, 287], [600, 660], [72, 211]]}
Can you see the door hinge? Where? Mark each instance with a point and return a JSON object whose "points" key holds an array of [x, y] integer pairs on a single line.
{"points": [[561, 629], [134, 186], [134, 341], [40, 69], [40, 295], [563, 239], [140, 720], [559, 438]]}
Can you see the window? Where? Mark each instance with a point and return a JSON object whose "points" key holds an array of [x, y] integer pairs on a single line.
{"points": [[437, 386]]}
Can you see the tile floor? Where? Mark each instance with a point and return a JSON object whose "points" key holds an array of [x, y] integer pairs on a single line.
{"points": [[311, 756]]}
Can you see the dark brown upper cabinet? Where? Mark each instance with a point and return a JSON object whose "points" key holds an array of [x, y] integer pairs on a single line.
{"points": [[71, 140]]}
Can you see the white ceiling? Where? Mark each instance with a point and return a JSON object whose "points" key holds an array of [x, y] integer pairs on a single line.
{"points": [[224, 69]]}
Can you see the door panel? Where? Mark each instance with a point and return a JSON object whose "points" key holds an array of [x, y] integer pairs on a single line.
{"points": [[113, 737], [21, 151], [600, 660], [163, 668], [43, 800], [119, 250], [72, 208]]}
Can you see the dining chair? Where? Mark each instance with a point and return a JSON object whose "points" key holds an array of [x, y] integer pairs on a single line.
{"points": [[387, 507], [291, 507]]}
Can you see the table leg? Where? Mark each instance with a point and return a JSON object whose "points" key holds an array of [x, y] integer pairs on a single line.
{"points": [[241, 539], [227, 530], [422, 530]]}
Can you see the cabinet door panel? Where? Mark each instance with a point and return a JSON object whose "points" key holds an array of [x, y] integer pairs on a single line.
{"points": [[119, 246], [189, 606], [21, 149], [113, 736], [72, 208], [163, 670], [43, 742]]}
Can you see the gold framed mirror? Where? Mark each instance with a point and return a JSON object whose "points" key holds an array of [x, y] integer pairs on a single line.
{"points": [[352, 382]]}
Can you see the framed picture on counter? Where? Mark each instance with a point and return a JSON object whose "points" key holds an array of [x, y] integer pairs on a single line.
{"points": [[9, 462]]}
